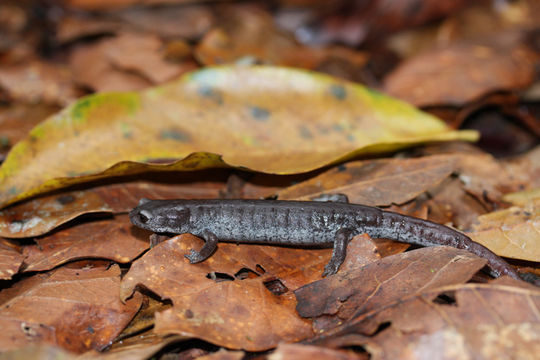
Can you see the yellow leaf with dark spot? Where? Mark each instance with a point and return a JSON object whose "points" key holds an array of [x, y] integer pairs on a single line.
{"points": [[269, 119]]}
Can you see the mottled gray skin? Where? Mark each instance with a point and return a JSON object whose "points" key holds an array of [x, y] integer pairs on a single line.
{"points": [[298, 223]]}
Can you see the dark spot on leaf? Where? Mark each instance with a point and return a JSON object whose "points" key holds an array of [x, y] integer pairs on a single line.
{"points": [[338, 91], [350, 138], [219, 277], [65, 199], [239, 310], [211, 93], [259, 113], [245, 273], [127, 135], [305, 132], [90, 329], [276, 287], [342, 167], [382, 326], [526, 213], [338, 127], [188, 314], [446, 299], [13, 190], [322, 130], [174, 134]]}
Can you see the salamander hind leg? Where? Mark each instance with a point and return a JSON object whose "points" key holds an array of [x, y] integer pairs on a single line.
{"points": [[340, 251], [208, 248]]}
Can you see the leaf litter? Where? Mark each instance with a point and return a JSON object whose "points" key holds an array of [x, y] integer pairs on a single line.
{"points": [[460, 186]]}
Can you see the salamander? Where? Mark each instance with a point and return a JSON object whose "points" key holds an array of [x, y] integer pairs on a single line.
{"points": [[298, 223]]}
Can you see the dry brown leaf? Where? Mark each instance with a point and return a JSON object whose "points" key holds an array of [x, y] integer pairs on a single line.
{"points": [[10, 259], [307, 352], [34, 309], [512, 232], [376, 182], [142, 54], [144, 320], [244, 318], [104, 5], [525, 167], [187, 21], [249, 34], [451, 205], [347, 294], [135, 348], [92, 70], [37, 217], [37, 81], [223, 354], [459, 73], [361, 251], [485, 322], [249, 317], [38, 351], [113, 239], [73, 27], [486, 178]]}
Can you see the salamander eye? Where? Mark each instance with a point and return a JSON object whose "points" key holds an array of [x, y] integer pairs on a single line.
{"points": [[144, 216]]}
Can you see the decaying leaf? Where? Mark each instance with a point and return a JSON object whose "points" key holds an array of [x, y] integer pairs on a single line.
{"points": [[450, 204], [307, 352], [512, 232], [144, 320], [10, 259], [136, 348], [190, 21], [113, 239], [250, 34], [482, 321], [307, 119], [463, 72], [39, 216], [36, 82], [223, 354], [250, 316], [35, 309], [136, 58], [376, 182], [526, 168], [338, 298], [486, 178]]}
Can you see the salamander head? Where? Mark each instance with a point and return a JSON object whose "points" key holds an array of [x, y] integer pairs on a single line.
{"points": [[161, 216]]}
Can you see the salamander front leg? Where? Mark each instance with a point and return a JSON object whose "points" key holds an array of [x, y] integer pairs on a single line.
{"points": [[208, 248], [340, 250]]}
